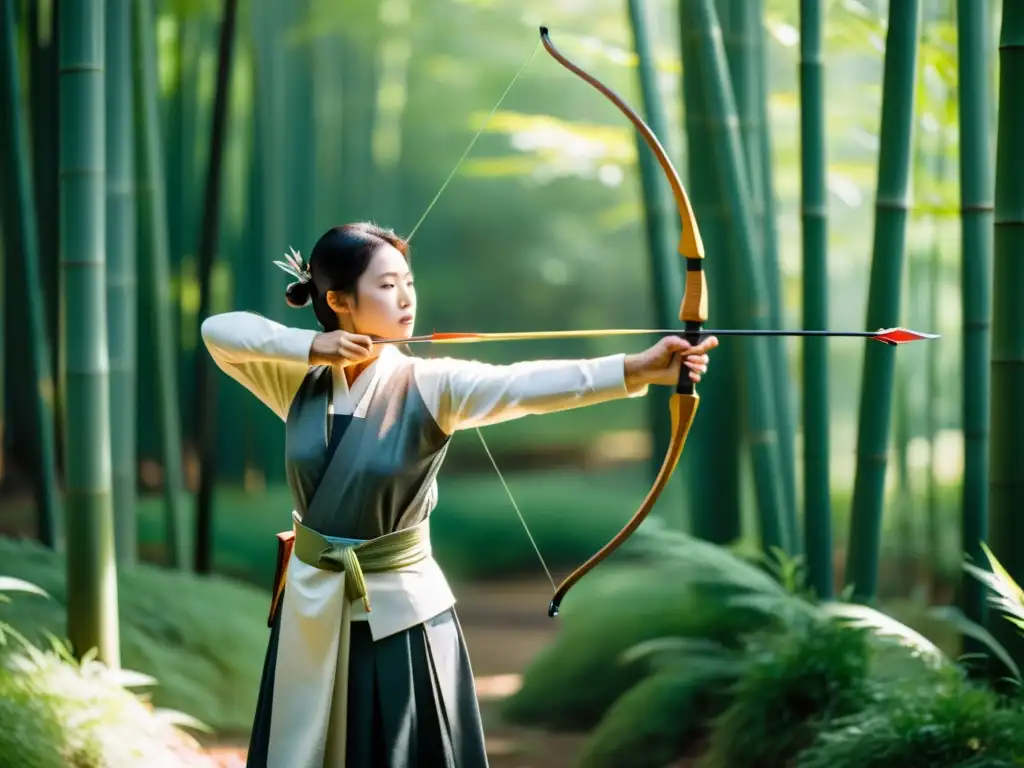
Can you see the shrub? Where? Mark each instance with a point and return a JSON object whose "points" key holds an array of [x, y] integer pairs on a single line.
{"points": [[794, 683], [661, 717], [572, 684], [770, 629], [951, 723]]}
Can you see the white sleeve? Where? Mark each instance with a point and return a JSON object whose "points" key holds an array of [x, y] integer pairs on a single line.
{"points": [[462, 394], [267, 358]]}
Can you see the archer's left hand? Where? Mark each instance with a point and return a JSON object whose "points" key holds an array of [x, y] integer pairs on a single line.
{"points": [[660, 364]]}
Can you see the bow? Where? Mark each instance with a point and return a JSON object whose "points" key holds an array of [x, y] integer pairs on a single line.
{"points": [[693, 313]]}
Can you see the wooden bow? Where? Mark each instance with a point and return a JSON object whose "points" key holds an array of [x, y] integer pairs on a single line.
{"points": [[693, 313]]}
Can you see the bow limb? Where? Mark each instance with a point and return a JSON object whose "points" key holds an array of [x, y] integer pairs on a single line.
{"points": [[693, 312]]}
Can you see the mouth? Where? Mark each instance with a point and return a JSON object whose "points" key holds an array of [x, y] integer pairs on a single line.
{"points": [[405, 320]]}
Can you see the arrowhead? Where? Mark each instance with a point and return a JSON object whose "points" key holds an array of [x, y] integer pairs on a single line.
{"points": [[895, 336]]}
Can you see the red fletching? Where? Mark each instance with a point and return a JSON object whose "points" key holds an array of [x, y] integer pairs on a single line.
{"points": [[901, 336]]}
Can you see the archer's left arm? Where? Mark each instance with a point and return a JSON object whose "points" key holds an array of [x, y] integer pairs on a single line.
{"points": [[462, 394]]}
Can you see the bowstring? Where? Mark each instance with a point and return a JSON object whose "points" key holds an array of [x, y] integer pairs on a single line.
{"points": [[479, 132], [440, 191]]}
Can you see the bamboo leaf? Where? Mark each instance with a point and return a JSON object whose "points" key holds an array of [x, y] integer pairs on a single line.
{"points": [[181, 720], [955, 618], [882, 625], [675, 646], [11, 584], [127, 678], [1013, 591]]}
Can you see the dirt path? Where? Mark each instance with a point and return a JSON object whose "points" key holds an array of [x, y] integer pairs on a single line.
{"points": [[506, 625]]}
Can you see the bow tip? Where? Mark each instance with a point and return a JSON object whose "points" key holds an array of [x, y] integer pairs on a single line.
{"points": [[552, 609], [543, 30]]}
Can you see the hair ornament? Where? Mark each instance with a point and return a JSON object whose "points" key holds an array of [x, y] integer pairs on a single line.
{"points": [[295, 266]]}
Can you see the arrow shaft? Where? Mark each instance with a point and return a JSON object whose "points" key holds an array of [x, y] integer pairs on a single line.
{"points": [[467, 338]]}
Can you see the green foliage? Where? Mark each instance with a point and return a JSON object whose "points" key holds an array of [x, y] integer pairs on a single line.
{"points": [[59, 712], [654, 722], [31, 735], [575, 681], [779, 669], [203, 639], [796, 682], [1007, 595], [951, 723]]}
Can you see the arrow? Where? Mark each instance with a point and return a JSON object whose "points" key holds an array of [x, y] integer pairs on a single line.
{"points": [[891, 336]]}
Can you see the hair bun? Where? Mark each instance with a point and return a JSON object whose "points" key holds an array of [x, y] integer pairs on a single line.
{"points": [[297, 294]]}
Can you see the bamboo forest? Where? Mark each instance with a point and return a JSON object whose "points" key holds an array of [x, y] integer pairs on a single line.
{"points": [[812, 557]]}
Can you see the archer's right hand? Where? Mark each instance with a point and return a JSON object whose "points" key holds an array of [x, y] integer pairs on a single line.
{"points": [[340, 348]]}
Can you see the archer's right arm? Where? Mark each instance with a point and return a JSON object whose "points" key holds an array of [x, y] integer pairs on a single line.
{"points": [[267, 358]]}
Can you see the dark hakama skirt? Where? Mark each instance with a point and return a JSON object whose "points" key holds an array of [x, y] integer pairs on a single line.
{"points": [[412, 699]]}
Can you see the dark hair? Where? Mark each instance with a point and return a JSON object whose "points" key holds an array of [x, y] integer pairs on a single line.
{"points": [[339, 259]]}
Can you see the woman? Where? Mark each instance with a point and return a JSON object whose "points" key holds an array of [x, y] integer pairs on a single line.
{"points": [[366, 663]]}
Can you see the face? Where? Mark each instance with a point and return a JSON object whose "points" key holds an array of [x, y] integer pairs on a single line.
{"points": [[386, 306]]}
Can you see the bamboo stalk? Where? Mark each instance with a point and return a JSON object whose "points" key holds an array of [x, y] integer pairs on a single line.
{"points": [[814, 213], [731, 171], [206, 382], [268, 20], [21, 246], [1006, 481], [45, 127], [976, 188], [889, 253], [718, 433], [782, 371], [121, 281], [91, 568], [153, 248], [660, 222]]}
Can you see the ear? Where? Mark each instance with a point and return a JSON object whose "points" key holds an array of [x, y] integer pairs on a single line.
{"points": [[338, 302]]}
